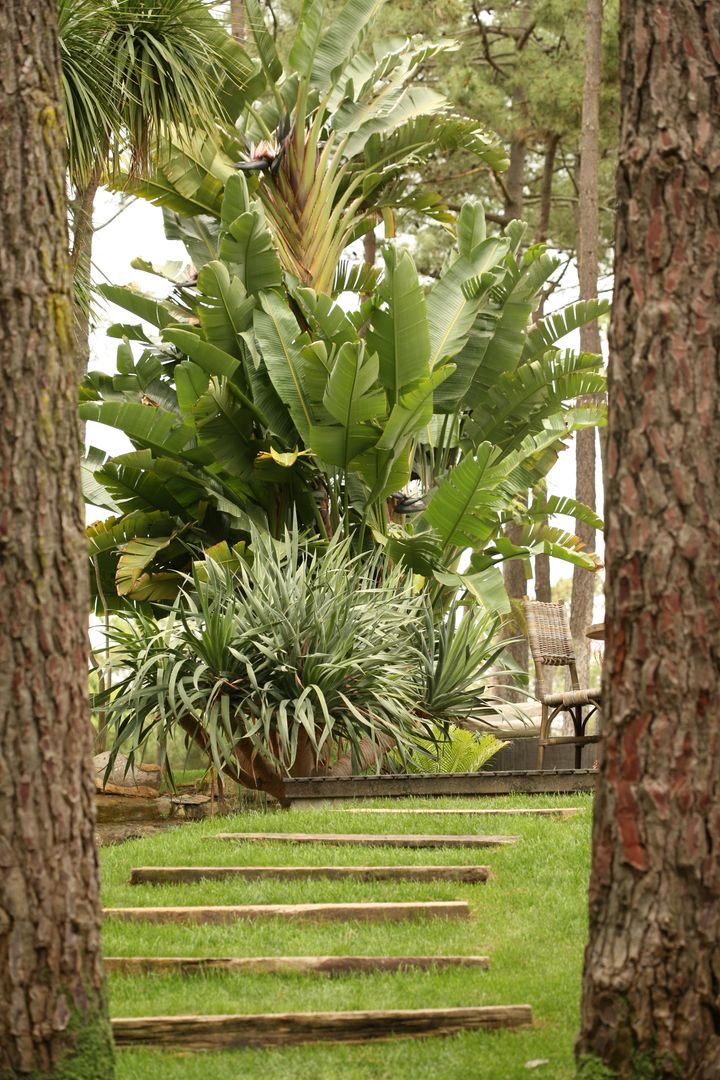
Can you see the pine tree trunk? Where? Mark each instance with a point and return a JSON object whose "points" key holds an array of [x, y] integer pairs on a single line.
{"points": [[514, 572], [583, 586], [237, 20], [543, 588], [651, 993], [81, 264], [53, 1018]]}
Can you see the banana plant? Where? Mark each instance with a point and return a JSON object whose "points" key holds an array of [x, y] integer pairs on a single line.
{"points": [[258, 401], [333, 146]]}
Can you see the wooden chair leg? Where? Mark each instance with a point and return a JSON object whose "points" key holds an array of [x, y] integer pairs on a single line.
{"points": [[544, 731], [579, 727]]}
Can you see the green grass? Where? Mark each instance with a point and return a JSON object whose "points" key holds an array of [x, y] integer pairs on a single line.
{"points": [[530, 919]]}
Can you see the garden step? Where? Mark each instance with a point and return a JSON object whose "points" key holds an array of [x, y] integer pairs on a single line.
{"points": [[374, 839], [560, 811], [286, 965], [156, 875], [521, 782], [368, 912], [283, 1029]]}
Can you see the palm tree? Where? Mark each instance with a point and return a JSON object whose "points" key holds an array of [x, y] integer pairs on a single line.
{"points": [[130, 69]]}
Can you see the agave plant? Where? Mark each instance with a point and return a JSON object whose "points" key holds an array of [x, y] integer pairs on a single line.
{"points": [[333, 145], [296, 661], [260, 401]]}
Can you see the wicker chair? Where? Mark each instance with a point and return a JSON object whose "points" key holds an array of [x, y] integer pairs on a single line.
{"points": [[551, 646]]}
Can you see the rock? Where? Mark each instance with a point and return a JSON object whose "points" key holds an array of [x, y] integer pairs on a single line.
{"points": [[537, 1063], [121, 777]]}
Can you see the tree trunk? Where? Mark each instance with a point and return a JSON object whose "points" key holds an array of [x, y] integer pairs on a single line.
{"points": [[551, 144], [53, 1018], [81, 263], [651, 993], [370, 248], [237, 20], [543, 589], [583, 586]]}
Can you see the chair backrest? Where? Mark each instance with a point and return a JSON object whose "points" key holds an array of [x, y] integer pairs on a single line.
{"points": [[550, 639]]}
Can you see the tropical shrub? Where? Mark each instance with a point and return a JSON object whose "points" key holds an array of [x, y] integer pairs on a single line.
{"points": [[299, 658], [259, 402], [456, 751]]}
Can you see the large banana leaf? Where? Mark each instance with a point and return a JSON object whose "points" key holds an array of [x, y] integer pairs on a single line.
{"points": [[94, 493], [309, 35], [400, 334], [224, 308], [278, 333], [560, 323], [156, 312], [210, 358], [264, 43], [339, 40], [409, 415], [135, 556], [144, 425], [451, 311], [247, 244], [352, 398], [463, 509]]}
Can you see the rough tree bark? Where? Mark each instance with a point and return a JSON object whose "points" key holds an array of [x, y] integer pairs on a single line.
{"points": [[53, 1018], [237, 20], [514, 571], [583, 584], [651, 994], [543, 587]]}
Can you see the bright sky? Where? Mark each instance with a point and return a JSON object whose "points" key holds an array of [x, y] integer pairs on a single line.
{"points": [[138, 231]]}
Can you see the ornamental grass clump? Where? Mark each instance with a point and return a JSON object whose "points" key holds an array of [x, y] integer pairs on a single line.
{"points": [[297, 659]]}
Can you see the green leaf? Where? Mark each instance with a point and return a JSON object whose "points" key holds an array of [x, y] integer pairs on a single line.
{"points": [[135, 556], [549, 330], [420, 552], [271, 63], [278, 335], [400, 335], [93, 492], [450, 312], [224, 308], [143, 424], [153, 311], [470, 228], [352, 394], [114, 533], [248, 245], [352, 397], [325, 316], [191, 382], [463, 509], [412, 412], [355, 277], [339, 40], [209, 357], [486, 586], [556, 504], [308, 37]]}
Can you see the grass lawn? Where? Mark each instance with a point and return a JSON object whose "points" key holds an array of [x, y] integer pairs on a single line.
{"points": [[530, 919]]}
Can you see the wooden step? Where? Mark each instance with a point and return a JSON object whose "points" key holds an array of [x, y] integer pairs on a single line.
{"points": [[370, 912], [524, 782], [560, 811], [373, 839], [284, 1029], [286, 965], [161, 875]]}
